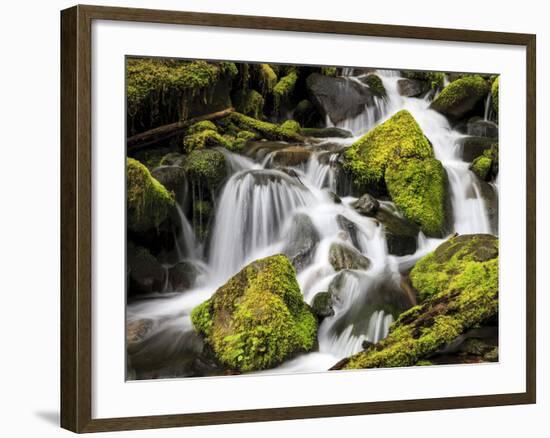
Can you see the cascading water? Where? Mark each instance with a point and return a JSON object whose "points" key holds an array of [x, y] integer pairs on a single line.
{"points": [[256, 206]]}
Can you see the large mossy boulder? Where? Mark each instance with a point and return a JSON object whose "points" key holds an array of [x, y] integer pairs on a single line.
{"points": [[397, 158], [461, 96], [459, 257], [418, 188], [258, 318], [458, 283], [148, 202]]}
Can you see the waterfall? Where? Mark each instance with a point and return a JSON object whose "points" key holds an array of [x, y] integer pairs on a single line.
{"points": [[488, 113], [257, 205], [253, 208]]}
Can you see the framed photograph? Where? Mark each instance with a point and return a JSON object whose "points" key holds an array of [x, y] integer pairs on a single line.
{"points": [[268, 218]]}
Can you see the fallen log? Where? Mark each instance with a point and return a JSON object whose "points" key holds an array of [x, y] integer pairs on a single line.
{"points": [[165, 132]]}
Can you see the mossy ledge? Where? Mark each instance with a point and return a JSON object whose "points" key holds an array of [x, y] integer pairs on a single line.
{"points": [[148, 202], [397, 158], [459, 283], [494, 94], [258, 318]]}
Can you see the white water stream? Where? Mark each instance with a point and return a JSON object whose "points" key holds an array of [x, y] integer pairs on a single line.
{"points": [[256, 207]]}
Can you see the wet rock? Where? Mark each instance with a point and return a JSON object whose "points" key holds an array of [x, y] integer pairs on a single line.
{"points": [[173, 178], [322, 305], [490, 196], [401, 234], [183, 275], [258, 318], [302, 240], [290, 156], [350, 228], [326, 132], [137, 331], [335, 198], [145, 273], [345, 257], [478, 127], [461, 96], [337, 97], [412, 87], [366, 205], [258, 150], [473, 147]]}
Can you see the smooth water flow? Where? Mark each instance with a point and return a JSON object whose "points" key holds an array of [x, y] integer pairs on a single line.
{"points": [[257, 204]]}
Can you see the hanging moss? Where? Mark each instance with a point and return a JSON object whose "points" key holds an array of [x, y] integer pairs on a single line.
{"points": [[459, 286], [494, 94], [418, 188], [258, 318], [267, 78], [156, 81], [284, 88], [148, 202], [249, 102]]}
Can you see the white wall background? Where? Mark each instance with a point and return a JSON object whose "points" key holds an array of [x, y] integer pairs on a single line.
{"points": [[29, 223]]}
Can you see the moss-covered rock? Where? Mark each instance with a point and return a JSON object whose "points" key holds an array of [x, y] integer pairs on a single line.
{"points": [[452, 260], [329, 71], [481, 166], [396, 157], [494, 94], [418, 188], [306, 114], [258, 318], [459, 283], [148, 202], [322, 305], [203, 139], [267, 78], [461, 96], [206, 168], [375, 84], [204, 125], [269, 131]]}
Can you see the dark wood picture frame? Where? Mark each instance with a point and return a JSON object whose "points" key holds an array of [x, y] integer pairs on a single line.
{"points": [[76, 217]]}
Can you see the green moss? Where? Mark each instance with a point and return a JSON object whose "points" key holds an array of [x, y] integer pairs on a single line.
{"points": [[148, 202], [433, 273], [375, 84], [249, 102], [203, 139], [399, 136], [418, 188], [284, 88], [461, 95], [455, 301], [269, 131], [481, 166], [494, 94], [329, 71], [258, 318], [202, 208], [206, 168], [205, 125], [153, 80], [267, 78], [290, 127]]}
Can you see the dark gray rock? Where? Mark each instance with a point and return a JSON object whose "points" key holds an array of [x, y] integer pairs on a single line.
{"points": [[478, 127], [401, 234], [345, 257], [338, 97], [326, 132], [173, 178], [145, 273], [473, 147], [322, 305], [302, 240], [366, 205], [412, 87], [182, 276], [350, 228]]}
